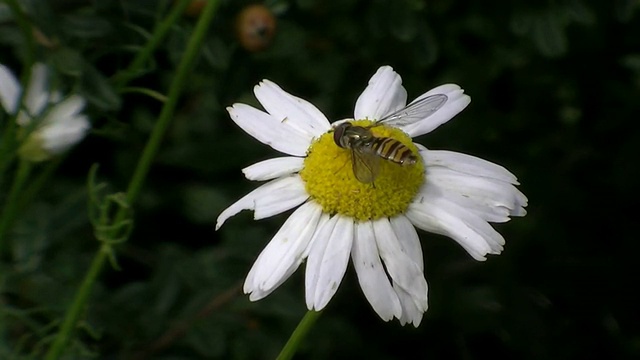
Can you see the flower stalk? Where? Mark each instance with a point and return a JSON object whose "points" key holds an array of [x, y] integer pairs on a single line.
{"points": [[298, 335]]}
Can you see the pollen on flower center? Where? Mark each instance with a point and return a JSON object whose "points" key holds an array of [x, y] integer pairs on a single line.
{"points": [[330, 180]]}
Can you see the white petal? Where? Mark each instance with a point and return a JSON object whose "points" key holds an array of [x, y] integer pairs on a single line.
{"points": [[266, 129], [408, 238], [456, 102], [410, 312], [400, 266], [327, 262], [467, 164], [284, 253], [58, 137], [441, 216], [459, 165], [384, 95], [37, 94], [478, 205], [489, 195], [314, 254], [9, 90], [410, 243], [324, 219], [290, 110], [65, 110], [269, 199], [273, 168], [371, 275]]}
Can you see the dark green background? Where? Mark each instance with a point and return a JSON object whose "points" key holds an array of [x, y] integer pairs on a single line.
{"points": [[555, 88]]}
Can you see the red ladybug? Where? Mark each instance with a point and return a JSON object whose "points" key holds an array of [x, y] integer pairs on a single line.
{"points": [[255, 27]]}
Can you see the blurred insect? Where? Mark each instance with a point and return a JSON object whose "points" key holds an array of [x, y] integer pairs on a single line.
{"points": [[368, 150], [255, 27]]}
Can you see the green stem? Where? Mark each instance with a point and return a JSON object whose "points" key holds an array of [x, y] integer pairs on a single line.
{"points": [[13, 200], [298, 335], [150, 150], [78, 303], [145, 91], [39, 181], [134, 69]]}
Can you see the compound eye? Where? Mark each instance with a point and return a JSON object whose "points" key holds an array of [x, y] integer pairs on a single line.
{"points": [[338, 135]]}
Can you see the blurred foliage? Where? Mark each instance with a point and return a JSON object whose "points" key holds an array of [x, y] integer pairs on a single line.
{"points": [[556, 98]]}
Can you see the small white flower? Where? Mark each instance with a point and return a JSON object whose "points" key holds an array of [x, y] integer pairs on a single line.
{"points": [[54, 124], [338, 217]]}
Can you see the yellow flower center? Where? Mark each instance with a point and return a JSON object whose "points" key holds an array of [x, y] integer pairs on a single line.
{"points": [[329, 178]]}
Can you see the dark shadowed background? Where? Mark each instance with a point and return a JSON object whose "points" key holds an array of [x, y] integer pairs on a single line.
{"points": [[555, 88]]}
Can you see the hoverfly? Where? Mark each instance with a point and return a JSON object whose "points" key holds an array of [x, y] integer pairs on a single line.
{"points": [[368, 150]]}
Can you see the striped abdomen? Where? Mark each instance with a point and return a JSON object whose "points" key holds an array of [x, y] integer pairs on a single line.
{"points": [[393, 150]]}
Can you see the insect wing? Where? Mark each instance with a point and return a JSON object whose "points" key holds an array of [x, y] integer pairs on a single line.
{"points": [[365, 163], [417, 110]]}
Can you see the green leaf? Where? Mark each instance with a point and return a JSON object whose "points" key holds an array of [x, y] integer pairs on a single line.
{"points": [[216, 53], [5, 13], [85, 26], [577, 11], [68, 61], [425, 47], [632, 62], [548, 34], [203, 204], [625, 9], [98, 90], [207, 339], [402, 21], [521, 23]]}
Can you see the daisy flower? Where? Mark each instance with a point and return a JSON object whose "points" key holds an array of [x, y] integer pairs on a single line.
{"points": [[50, 123], [338, 216]]}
